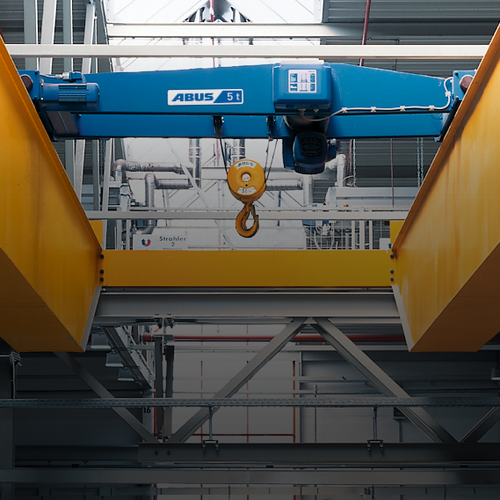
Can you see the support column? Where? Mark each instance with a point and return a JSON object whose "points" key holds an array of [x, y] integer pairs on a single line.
{"points": [[96, 175], [169, 391], [69, 160], [7, 391], [67, 31], [31, 30], [48, 31], [88, 38], [159, 382], [79, 162], [88, 35]]}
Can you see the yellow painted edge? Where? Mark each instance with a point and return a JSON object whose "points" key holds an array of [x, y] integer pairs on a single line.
{"points": [[483, 72]]}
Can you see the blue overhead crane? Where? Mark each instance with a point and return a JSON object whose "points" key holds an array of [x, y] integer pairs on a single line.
{"points": [[308, 106]]}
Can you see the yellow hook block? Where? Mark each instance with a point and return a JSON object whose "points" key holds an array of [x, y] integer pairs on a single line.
{"points": [[247, 183]]}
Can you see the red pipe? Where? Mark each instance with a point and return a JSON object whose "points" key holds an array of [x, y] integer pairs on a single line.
{"points": [[357, 338], [212, 11], [365, 27], [148, 337]]}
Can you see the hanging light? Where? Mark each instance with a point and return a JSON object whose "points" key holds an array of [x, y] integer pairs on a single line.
{"points": [[113, 360], [125, 375], [99, 342]]}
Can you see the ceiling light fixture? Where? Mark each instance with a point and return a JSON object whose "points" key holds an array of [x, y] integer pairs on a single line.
{"points": [[99, 342], [125, 375], [113, 360]]}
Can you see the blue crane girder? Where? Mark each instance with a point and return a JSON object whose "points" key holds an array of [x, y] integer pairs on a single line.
{"points": [[307, 105], [137, 104]]}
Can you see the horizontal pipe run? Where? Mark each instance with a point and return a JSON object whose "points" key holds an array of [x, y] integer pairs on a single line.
{"points": [[277, 185], [352, 31], [133, 166], [173, 184], [228, 30]]}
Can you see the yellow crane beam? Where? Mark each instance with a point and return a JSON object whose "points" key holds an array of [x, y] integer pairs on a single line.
{"points": [[447, 265], [49, 253], [246, 268]]}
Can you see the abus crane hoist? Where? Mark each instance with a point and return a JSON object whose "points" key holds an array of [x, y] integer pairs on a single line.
{"points": [[307, 106]]}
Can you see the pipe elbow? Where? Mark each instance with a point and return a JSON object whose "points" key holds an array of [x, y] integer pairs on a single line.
{"points": [[119, 165]]}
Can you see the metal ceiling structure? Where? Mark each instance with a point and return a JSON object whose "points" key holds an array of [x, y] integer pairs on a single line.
{"points": [[370, 418]]}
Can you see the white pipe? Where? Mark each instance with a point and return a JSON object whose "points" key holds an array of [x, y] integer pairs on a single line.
{"points": [[341, 169], [308, 190], [149, 185], [133, 166], [195, 159]]}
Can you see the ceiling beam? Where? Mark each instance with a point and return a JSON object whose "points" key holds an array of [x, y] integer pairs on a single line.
{"points": [[426, 52]]}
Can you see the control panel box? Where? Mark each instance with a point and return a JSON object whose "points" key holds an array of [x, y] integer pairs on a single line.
{"points": [[302, 87]]}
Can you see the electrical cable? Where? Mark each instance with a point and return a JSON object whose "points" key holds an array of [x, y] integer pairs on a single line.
{"points": [[223, 154], [431, 108], [274, 152]]}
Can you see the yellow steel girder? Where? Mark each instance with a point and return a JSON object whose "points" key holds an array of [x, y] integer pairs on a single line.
{"points": [[240, 268], [448, 249], [48, 252]]}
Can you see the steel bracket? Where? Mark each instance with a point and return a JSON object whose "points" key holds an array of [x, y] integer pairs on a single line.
{"points": [[206, 442], [375, 442]]}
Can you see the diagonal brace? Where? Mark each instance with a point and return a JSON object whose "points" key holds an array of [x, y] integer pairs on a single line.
{"points": [[240, 379], [385, 384], [482, 427], [102, 392]]}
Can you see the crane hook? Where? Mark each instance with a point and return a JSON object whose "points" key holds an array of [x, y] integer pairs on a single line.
{"points": [[242, 218], [247, 183]]}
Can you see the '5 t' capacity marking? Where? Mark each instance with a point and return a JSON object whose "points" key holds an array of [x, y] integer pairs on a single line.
{"points": [[204, 97]]}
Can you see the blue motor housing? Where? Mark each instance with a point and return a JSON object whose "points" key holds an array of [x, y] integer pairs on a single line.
{"points": [[78, 93], [307, 152], [310, 152]]}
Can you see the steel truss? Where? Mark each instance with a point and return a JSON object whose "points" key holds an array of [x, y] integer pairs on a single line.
{"points": [[338, 402], [391, 455], [354, 493], [331, 477]]}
